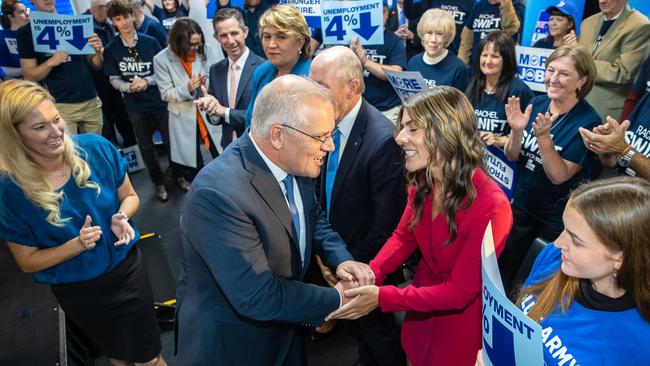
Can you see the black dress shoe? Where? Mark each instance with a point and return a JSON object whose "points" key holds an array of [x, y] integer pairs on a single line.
{"points": [[183, 184], [161, 193]]}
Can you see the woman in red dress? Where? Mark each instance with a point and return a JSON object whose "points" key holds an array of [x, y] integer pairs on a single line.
{"points": [[451, 199]]}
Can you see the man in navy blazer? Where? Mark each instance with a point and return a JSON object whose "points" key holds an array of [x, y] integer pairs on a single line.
{"points": [[230, 32], [364, 193], [250, 224]]}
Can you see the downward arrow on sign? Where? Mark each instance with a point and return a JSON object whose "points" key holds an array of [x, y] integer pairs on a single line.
{"points": [[78, 40], [366, 29]]}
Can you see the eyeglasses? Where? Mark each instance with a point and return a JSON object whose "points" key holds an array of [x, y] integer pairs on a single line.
{"points": [[196, 44], [133, 53], [322, 139]]}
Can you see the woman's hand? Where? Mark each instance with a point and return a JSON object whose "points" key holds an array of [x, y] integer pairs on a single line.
{"points": [[195, 82], [542, 125], [404, 32], [492, 139], [122, 229], [88, 235], [516, 119], [367, 300], [570, 38], [356, 46]]}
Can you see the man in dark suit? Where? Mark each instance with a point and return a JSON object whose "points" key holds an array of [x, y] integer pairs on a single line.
{"points": [[230, 79], [250, 223], [363, 186]]}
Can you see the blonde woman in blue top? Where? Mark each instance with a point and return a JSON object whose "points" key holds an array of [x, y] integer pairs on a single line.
{"points": [[66, 203]]}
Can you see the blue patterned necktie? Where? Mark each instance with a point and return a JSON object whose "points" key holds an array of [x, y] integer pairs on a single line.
{"points": [[295, 216], [332, 166]]}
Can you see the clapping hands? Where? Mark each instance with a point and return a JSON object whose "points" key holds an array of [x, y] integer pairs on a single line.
{"points": [[122, 229]]}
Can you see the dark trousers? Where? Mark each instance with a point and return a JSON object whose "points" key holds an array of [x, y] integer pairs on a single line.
{"points": [[379, 340], [114, 112], [145, 124], [525, 229]]}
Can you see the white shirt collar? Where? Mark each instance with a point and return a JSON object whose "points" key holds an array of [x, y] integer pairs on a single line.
{"points": [[278, 173], [434, 60], [241, 61], [346, 124]]}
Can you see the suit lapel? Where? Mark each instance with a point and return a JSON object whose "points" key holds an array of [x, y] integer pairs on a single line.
{"points": [[176, 65], [267, 186], [223, 82], [351, 148], [246, 74], [612, 33]]}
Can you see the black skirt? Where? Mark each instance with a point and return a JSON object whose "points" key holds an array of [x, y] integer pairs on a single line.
{"points": [[115, 311]]}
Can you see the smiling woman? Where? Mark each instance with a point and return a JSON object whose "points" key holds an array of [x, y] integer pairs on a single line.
{"points": [[65, 203]]}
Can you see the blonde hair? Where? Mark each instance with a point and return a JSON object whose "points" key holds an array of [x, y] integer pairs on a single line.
{"points": [[438, 20], [618, 212], [17, 99], [449, 125], [286, 19]]}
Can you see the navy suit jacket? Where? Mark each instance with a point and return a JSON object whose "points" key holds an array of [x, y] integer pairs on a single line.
{"points": [[369, 193], [240, 295], [219, 89]]}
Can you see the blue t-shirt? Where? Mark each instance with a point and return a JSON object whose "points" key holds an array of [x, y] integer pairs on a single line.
{"points": [[584, 336], [119, 62], [70, 82], [491, 112], [534, 192], [9, 48], [451, 71], [22, 222], [167, 19], [546, 42], [459, 10], [486, 18], [153, 28], [638, 134], [378, 92]]}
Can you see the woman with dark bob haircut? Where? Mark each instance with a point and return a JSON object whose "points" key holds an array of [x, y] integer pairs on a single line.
{"points": [[451, 199], [181, 73]]}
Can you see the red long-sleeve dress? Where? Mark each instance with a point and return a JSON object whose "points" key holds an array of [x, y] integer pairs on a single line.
{"points": [[443, 306]]}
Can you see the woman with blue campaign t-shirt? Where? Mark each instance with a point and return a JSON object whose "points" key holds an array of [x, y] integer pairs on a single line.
{"points": [[65, 203], [494, 80], [626, 144], [170, 11], [437, 65], [14, 15], [590, 290], [489, 16], [551, 158]]}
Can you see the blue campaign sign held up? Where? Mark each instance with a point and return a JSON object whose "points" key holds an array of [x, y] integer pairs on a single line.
{"points": [[406, 83], [500, 169], [510, 338], [342, 21], [310, 9], [56, 32], [531, 64]]}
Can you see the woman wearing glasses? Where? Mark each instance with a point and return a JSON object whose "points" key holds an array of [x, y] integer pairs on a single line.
{"points": [[128, 61], [14, 15], [181, 71], [285, 39]]}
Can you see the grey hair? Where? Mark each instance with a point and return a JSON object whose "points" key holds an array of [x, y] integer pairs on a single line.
{"points": [[281, 102], [346, 65]]}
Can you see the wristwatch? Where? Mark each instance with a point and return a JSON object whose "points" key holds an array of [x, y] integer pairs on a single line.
{"points": [[624, 160]]}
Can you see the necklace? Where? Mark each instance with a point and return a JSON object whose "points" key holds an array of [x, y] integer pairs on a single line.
{"points": [[557, 122]]}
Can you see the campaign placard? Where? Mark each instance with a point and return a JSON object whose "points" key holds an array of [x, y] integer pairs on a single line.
{"points": [[342, 21], [56, 32], [531, 65], [406, 83], [310, 9], [510, 338], [500, 169]]}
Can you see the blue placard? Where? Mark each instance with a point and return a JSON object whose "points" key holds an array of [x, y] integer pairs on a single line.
{"points": [[8, 49], [56, 32], [342, 21], [510, 338], [501, 169], [531, 65], [310, 9], [406, 83]]}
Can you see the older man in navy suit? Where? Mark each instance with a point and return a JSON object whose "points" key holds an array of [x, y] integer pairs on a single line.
{"points": [[363, 186], [250, 224], [230, 79]]}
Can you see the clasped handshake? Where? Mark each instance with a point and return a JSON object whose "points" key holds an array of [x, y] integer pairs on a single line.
{"points": [[355, 282]]}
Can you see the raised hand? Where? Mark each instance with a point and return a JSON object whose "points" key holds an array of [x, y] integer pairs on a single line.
{"points": [[95, 42], [542, 125], [122, 229], [355, 271], [570, 38], [195, 82], [210, 104], [608, 138], [58, 58], [516, 119], [365, 299], [356, 46], [88, 235]]}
